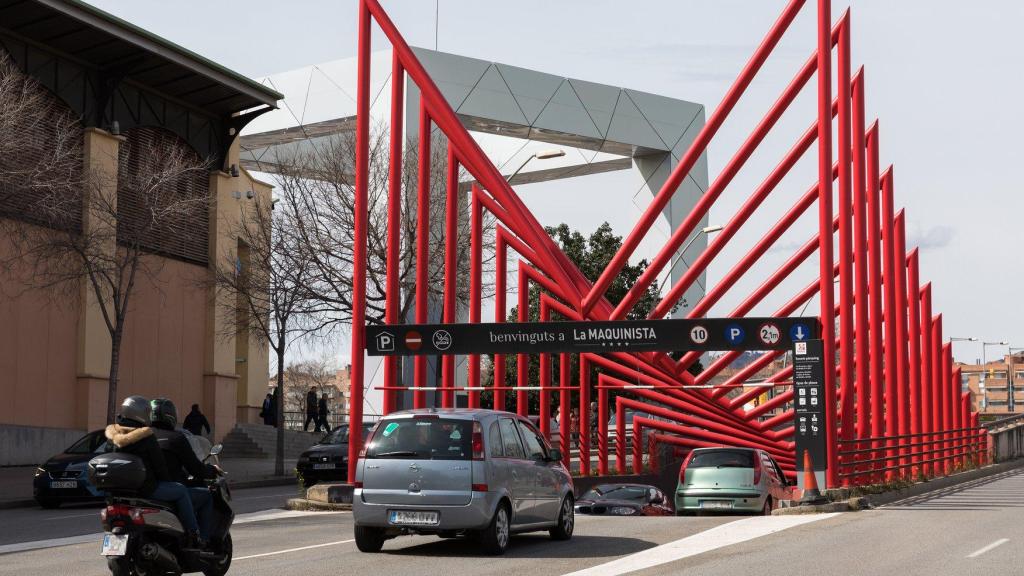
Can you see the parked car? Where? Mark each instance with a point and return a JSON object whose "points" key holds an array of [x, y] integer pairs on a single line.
{"points": [[63, 478], [623, 500], [328, 458], [730, 480], [460, 472]]}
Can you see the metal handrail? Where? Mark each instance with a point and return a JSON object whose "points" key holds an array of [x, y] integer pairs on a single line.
{"points": [[901, 436]]}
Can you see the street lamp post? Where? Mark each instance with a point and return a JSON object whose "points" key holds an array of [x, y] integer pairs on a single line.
{"points": [[705, 230], [542, 155]]}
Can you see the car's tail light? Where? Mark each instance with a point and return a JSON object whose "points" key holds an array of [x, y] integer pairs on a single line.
{"points": [[478, 441], [357, 484], [479, 487], [682, 469], [757, 469]]}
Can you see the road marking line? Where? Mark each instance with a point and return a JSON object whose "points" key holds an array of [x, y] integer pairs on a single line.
{"points": [[717, 537], [95, 513], [293, 550], [988, 548], [97, 536]]}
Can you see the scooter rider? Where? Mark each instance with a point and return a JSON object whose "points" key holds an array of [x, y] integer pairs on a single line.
{"points": [[182, 462], [132, 434]]}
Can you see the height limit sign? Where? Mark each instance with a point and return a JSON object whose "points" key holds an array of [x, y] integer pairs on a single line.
{"points": [[809, 400]]}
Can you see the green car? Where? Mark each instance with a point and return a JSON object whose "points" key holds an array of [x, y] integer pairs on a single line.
{"points": [[730, 480]]}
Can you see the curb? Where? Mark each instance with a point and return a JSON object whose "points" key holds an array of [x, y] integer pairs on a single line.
{"points": [[9, 504], [315, 506], [851, 505]]}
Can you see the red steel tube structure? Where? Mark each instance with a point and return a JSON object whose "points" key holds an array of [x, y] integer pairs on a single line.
{"points": [[892, 401]]}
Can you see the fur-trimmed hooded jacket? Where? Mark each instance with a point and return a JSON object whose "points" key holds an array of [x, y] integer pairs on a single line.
{"points": [[140, 442]]}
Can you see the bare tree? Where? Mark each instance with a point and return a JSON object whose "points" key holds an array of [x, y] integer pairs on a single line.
{"points": [[78, 234], [263, 291], [300, 377], [317, 185]]}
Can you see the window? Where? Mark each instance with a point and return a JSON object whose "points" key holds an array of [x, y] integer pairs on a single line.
{"points": [[534, 444], [1018, 375], [722, 458], [494, 441], [998, 375], [511, 446], [423, 439]]}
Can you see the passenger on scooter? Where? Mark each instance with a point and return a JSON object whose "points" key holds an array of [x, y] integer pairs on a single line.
{"points": [[182, 462], [132, 434]]}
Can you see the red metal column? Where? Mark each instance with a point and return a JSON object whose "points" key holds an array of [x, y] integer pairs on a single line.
{"points": [[500, 276], [936, 386], [844, 197], [927, 391], [392, 291], [620, 440], [451, 270], [584, 420], [522, 361], [916, 389], [947, 402], [564, 406], [902, 369], [475, 286], [419, 397], [958, 423], [875, 289], [825, 232], [860, 260], [361, 211], [602, 431], [889, 285], [545, 381]]}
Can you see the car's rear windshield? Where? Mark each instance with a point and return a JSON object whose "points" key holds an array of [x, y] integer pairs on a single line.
{"points": [[616, 492], [422, 439], [722, 459]]}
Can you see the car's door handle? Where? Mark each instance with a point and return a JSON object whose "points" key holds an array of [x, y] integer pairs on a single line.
{"points": [[515, 475]]}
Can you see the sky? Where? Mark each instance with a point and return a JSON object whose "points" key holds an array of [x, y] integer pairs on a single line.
{"points": [[942, 77]]}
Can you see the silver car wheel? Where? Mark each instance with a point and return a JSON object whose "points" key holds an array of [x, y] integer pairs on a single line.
{"points": [[501, 527], [568, 516]]}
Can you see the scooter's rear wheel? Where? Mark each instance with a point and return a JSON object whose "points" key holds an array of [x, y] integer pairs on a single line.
{"points": [[224, 558], [120, 566]]}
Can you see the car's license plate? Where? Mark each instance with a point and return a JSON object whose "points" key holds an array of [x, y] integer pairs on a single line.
{"points": [[64, 484], [114, 544], [414, 518], [327, 466], [716, 504]]}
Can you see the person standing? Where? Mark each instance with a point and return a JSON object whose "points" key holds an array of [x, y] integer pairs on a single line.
{"points": [[267, 412], [321, 414], [195, 422], [311, 409], [574, 426]]}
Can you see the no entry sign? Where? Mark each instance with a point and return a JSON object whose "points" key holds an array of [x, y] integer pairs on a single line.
{"points": [[677, 335]]}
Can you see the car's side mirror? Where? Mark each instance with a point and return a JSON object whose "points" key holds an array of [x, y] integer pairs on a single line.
{"points": [[216, 449], [555, 455]]}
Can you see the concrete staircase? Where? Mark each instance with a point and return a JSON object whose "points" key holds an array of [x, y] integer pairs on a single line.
{"points": [[260, 441]]}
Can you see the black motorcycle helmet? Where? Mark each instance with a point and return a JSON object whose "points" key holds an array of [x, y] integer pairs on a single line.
{"points": [[134, 412], [163, 413]]}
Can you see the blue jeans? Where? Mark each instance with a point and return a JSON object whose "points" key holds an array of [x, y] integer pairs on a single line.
{"points": [[202, 501], [178, 494]]}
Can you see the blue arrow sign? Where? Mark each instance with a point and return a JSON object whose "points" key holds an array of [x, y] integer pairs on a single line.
{"points": [[799, 332], [734, 334]]}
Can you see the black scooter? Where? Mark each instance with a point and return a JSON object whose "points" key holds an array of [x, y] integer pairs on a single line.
{"points": [[144, 537]]}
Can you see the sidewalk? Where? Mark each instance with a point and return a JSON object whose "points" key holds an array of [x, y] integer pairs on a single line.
{"points": [[16, 481]]}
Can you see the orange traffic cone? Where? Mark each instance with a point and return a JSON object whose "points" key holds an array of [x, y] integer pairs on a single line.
{"points": [[811, 493]]}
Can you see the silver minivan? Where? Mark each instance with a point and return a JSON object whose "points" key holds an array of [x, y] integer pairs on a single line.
{"points": [[459, 472]]}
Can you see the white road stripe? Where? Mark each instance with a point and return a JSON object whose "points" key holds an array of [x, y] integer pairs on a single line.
{"points": [[718, 537], [988, 548], [97, 536], [292, 550]]}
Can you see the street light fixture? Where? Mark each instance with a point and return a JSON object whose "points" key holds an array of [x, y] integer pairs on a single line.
{"points": [[705, 230], [542, 155], [985, 345]]}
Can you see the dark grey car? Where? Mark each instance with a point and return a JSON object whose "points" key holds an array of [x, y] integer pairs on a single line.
{"points": [[454, 472]]}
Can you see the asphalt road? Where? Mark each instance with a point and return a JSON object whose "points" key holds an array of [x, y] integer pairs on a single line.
{"points": [[970, 529]]}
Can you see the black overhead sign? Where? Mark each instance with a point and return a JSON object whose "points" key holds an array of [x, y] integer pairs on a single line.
{"points": [[809, 402], [705, 334]]}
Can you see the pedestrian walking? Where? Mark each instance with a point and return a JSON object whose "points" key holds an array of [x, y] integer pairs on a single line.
{"points": [[574, 426], [310, 410], [195, 422], [321, 415]]}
